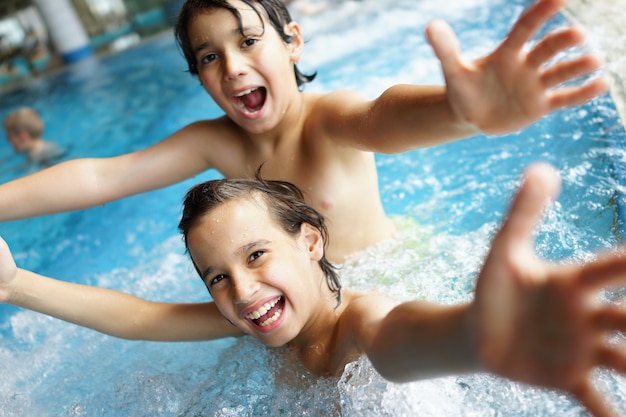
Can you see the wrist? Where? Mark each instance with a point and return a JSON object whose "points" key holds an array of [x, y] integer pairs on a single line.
{"points": [[462, 124], [9, 289]]}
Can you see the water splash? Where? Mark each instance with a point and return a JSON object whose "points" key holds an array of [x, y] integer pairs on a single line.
{"points": [[448, 202]]}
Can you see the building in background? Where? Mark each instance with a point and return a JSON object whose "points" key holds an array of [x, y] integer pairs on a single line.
{"points": [[39, 35]]}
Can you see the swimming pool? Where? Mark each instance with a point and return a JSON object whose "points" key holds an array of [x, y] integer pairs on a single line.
{"points": [[456, 194]]}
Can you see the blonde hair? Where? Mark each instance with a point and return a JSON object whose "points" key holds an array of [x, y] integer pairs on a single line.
{"points": [[24, 119]]}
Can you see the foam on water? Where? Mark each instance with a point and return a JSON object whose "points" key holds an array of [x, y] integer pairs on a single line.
{"points": [[52, 368]]}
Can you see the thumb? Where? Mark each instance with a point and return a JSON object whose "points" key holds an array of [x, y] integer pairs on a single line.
{"points": [[445, 44], [6, 258], [540, 185], [510, 262]]}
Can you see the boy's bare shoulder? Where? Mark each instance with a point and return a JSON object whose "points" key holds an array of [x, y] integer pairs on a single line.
{"points": [[211, 134], [362, 316], [335, 116], [213, 128], [219, 143], [365, 306], [334, 101]]}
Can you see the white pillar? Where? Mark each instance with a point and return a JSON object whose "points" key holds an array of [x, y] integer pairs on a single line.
{"points": [[66, 30]]}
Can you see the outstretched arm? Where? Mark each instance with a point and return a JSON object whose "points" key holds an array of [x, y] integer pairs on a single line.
{"points": [[531, 321], [500, 93], [545, 324], [87, 182], [108, 311]]}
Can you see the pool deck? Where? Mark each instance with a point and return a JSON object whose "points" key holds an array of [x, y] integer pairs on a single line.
{"points": [[604, 20]]}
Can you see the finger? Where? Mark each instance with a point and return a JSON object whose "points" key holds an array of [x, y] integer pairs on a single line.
{"points": [[611, 357], [570, 70], [607, 270], [540, 184], [554, 43], [593, 401], [610, 318], [531, 20], [573, 96], [445, 45]]}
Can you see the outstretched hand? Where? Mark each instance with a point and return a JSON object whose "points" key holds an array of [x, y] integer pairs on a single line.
{"points": [[541, 323], [8, 271], [512, 87]]}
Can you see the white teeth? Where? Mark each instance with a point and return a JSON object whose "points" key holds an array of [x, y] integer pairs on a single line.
{"points": [[243, 93], [272, 319], [242, 106], [262, 310]]}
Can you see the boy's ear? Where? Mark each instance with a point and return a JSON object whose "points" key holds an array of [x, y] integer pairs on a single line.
{"points": [[296, 45], [313, 240]]}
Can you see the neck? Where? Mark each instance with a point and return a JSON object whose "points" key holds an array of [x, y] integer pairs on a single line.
{"points": [[285, 132], [316, 345]]}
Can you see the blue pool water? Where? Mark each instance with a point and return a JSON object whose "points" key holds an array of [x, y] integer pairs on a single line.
{"points": [[457, 193]]}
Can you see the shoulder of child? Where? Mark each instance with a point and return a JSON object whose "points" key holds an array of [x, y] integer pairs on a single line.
{"points": [[337, 98], [329, 112], [362, 308], [48, 153], [221, 128]]}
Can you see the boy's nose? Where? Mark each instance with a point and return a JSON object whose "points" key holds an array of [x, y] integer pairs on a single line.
{"points": [[244, 288], [234, 66]]}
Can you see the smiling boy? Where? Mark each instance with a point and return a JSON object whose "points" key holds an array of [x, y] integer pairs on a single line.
{"points": [[245, 55], [259, 248]]}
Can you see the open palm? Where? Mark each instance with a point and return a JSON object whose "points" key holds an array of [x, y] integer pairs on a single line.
{"points": [[542, 323], [512, 87]]}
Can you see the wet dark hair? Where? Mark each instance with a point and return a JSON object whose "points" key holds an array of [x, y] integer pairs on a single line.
{"points": [[276, 12], [285, 203]]}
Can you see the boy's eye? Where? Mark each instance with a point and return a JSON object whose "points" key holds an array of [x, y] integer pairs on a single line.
{"points": [[217, 279], [208, 58], [255, 255], [249, 42]]}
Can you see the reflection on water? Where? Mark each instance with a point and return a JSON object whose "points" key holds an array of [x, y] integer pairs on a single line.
{"points": [[447, 201]]}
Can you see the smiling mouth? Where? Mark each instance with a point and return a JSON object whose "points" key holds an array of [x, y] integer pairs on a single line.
{"points": [[251, 100], [267, 313]]}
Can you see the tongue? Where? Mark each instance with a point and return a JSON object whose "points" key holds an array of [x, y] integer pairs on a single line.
{"points": [[254, 99]]}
